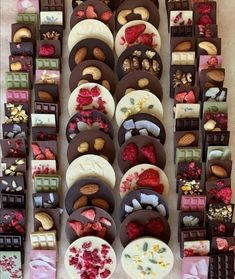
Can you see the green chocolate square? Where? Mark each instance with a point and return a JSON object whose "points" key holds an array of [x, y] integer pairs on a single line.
{"points": [[13, 258], [17, 80], [47, 64], [188, 154], [27, 18], [46, 183]]}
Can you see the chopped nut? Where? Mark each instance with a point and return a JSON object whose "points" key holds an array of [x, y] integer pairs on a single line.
{"points": [[146, 64]]}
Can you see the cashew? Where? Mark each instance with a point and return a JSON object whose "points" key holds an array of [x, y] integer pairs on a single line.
{"points": [[20, 34], [106, 84], [82, 81], [93, 71], [45, 220], [143, 12], [121, 18]]}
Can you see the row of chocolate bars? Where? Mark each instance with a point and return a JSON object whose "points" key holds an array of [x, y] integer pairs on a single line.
{"points": [[201, 140], [34, 76], [90, 177]]}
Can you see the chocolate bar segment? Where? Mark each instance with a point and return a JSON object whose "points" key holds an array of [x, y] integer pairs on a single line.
{"points": [[12, 200], [221, 266], [46, 183]]}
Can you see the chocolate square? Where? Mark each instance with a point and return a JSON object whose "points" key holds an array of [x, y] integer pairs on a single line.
{"points": [[19, 80], [186, 124], [15, 131], [12, 200], [204, 50], [16, 35], [211, 78], [206, 31], [217, 169], [195, 265], [12, 259], [48, 108], [12, 184], [45, 200], [186, 94], [51, 32], [45, 240], [27, 18], [193, 203], [22, 49], [182, 44], [11, 242], [46, 92], [186, 139], [221, 266], [14, 166], [182, 31], [214, 94], [44, 133], [219, 153], [48, 49], [21, 63], [52, 5], [181, 76], [18, 95], [222, 244], [44, 150], [220, 228], [16, 113], [14, 148], [48, 64], [221, 212], [176, 5], [188, 154], [218, 191], [204, 13], [189, 170], [189, 187], [46, 183], [8, 225]]}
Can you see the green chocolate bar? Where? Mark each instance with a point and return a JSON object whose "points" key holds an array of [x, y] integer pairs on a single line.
{"points": [[46, 183], [17, 80]]}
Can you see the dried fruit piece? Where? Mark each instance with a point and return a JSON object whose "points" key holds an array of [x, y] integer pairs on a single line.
{"points": [[80, 202], [132, 33], [99, 144], [89, 189], [83, 147], [45, 96], [134, 230], [100, 203], [90, 12], [45, 219], [89, 214], [76, 226], [80, 55], [150, 178], [155, 226], [148, 151], [46, 50], [219, 171], [105, 221], [106, 16], [186, 140], [130, 153]]}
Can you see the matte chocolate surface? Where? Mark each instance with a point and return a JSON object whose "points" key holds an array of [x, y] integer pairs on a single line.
{"points": [[14, 148], [48, 48], [182, 31], [44, 133], [221, 266], [204, 13], [12, 184], [220, 228], [12, 200], [7, 224], [212, 174], [23, 48], [45, 200], [52, 5], [11, 242], [186, 124], [46, 92], [14, 166], [206, 31], [17, 36]]}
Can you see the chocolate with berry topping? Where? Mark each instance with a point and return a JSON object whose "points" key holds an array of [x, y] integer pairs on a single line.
{"points": [[22, 49], [88, 221], [144, 223], [91, 49], [220, 228], [206, 31], [141, 150], [48, 49], [44, 133], [110, 4], [189, 95], [222, 244], [12, 221], [44, 150], [219, 191], [13, 148], [204, 13], [93, 9]]}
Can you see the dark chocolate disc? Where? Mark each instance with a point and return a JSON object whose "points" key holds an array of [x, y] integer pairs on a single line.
{"points": [[102, 192], [138, 80], [146, 124], [130, 10], [107, 78], [89, 49], [109, 3], [101, 220], [93, 9], [88, 120], [119, 2], [142, 219], [141, 150], [91, 142], [139, 57], [151, 201]]}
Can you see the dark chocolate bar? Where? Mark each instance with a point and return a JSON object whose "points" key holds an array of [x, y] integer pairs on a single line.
{"points": [[12, 184], [221, 266], [22, 49], [220, 228], [186, 124], [10, 200], [48, 49], [182, 31]]}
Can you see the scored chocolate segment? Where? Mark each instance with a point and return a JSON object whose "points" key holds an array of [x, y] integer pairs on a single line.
{"points": [[12, 200], [46, 183], [52, 5], [221, 266], [182, 31], [185, 124]]}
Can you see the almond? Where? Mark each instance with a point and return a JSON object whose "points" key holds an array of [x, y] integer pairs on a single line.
{"points": [[80, 55], [99, 54], [89, 189], [216, 75], [219, 171], [100, 203], [183, 46], [186, 140], [80, 202], [45, 96]]}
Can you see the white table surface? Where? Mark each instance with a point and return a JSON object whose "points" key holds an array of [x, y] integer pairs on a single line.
{"points": [[226, 23]]}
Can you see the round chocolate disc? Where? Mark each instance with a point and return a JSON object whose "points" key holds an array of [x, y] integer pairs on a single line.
{"points": [[119, 2], [139, 57], [91, 49], [109, 3], [79, 195], [147, 150], [88, 120], [103, 224], [130, 10], [141, 124], [144, 218], [143, 199], [93, 71], [93, 9], [91, 142], [137, 32], [138, 80]]}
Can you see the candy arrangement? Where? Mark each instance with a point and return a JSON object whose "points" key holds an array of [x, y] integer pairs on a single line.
{"points": [[201, 140]]}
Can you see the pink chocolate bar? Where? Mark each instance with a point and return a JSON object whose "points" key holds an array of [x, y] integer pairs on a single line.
{"points": [[42, 264], [193, 203], [27, 6], [18, 96], [195, 267]]}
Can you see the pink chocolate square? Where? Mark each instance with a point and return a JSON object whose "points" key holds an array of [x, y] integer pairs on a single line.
{"points": [[28, 6], [193, 203], [18, 96], [195, 267]]}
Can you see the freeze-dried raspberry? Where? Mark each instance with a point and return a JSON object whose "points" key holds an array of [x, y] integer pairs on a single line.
{"points": [[130, 152], [134, 230], [149, 153]]}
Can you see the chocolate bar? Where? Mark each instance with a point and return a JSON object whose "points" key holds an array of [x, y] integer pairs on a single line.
{"points": [[48, 49], [220, 228], [14, 260], [186, 124], [12, 200], [221, 266], [18, 95], [46, 92], [206, 31], [45, 200], [193, 203], [12, 221], [41, 107], [182, 31], [44, 133], [43, 240], [46, 183], [19, 80], [47, 63], [23, 32], [22, 49], [27, 18], [13, 131], [14, 166], [14, 148], [223, 244], [11, 242], [12, 184]]}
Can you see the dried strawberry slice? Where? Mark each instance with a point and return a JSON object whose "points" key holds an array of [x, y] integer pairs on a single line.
{"points": [[49, 154], [95, 91], [46, 50], [97, 226], [148, 152], [132, 33], [80, 14], [222, 244], [180, 97], [89, 214], [149, 177], [76, 226], [130, 152], [36, 149], [146, 39], [84, 101], [40, 157], [190, 97], [105, 274], [106, 16], [134, 230], [90, 12], [205, 20], [102, 233], [84, 92]]}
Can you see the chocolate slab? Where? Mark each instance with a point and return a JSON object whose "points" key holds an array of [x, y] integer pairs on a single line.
{"points": [[99, 213], [107, 76], [142, 218], [43, 240], [12, 184], [48, 49], [176, 6], [51, 32], [52, 5], [16, 113], [46, 92], [181, 76], [54, 213], [91, 49], [44, 133], [93, 119], [182, 31], [186, 139], [186, 124], [187, 94], [140, 142], [188, 187], [219, 191], [74, 193], [204, 13], [12, 200], [14, 148], [12, 221], [100, 11], [18, 80], [98, 143], [138, 80], [214, 42], [48, 108], [47, 64], [193, 203], [21, 64], [222, 244], [23, 48], [45, 200], [135, 195], [44, 150], [139, 57], [206, 31], [46, 183], [18, 95], [31, 18], [212, 78], [221, 266], [225, 165], [221, 212], [23, 32], [143, 123], [15, 131], [220, 228], [188, 154], [189, 170], [135, 8], [14, 166], [11, 242], [215, 94]]}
